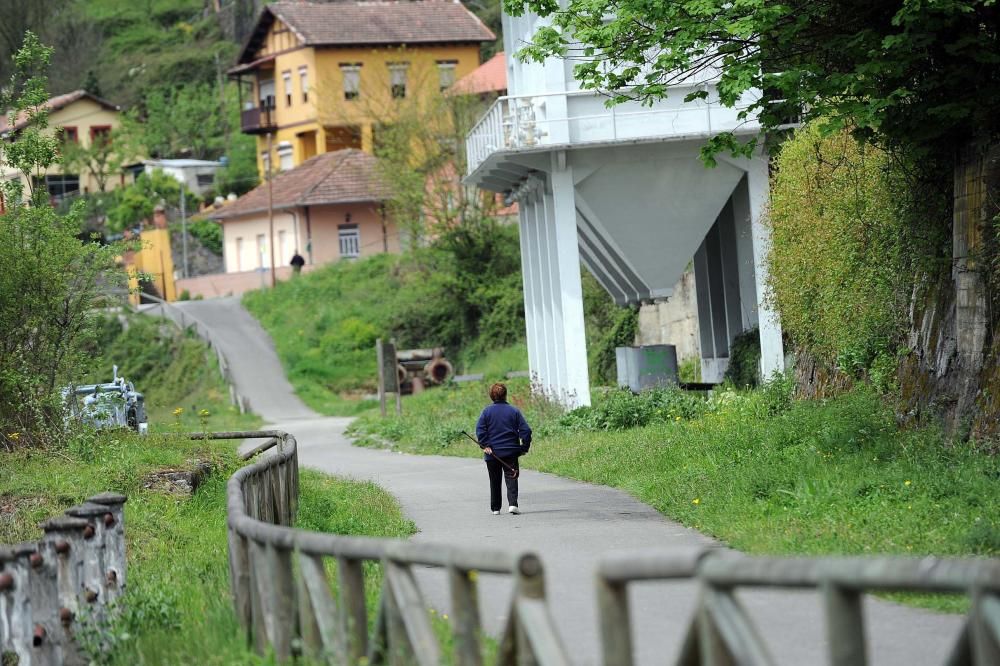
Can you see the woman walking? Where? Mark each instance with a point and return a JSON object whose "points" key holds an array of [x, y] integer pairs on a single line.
{"points": [[504, 436]]}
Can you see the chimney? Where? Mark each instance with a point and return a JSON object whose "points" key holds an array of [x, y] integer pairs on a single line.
{"points": [[160, 217]]}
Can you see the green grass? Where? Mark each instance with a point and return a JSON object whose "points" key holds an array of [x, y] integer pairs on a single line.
{"points": [[177, 373], [759, 473], [177, 605], [497, 363]]}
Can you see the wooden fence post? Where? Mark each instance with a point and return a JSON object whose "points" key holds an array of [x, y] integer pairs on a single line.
{"points": [[465, 616]]}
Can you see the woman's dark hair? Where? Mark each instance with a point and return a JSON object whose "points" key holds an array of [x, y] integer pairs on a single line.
{"points": [[498, 392]]}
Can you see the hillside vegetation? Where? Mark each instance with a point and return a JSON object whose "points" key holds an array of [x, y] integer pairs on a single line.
{"points": [[177, 609], [463, 292]]}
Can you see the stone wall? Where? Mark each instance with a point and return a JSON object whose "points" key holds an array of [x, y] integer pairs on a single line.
{"points": [[673, 321]]}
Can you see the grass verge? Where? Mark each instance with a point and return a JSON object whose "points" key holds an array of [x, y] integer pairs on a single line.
{"points": [[756, 470], [177, 606]]}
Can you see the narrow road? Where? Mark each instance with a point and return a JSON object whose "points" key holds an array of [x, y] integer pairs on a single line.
{"points": [[570, 524]]}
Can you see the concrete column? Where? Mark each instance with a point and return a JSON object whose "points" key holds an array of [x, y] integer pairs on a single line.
{"points": [[550, 280], [546, 373], [772, 352], [570, 335], [532, 320]]}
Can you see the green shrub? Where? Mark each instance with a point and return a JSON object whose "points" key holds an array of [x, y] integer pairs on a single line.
{"points": [[744, 359], [849, 233]]}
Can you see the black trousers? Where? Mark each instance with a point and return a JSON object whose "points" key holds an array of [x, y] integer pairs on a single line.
{"points": [[496, 470]]}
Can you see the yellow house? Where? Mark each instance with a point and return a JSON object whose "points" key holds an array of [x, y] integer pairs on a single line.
{"points": [[82, 118], [326, 76], [153, 261]]}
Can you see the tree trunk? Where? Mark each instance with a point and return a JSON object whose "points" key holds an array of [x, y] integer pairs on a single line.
{"points": [[951, 372]]}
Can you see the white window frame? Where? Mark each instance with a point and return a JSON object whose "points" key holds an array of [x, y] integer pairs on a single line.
{"points": [[239, 254], [397, 79], [446, 73], [286, 78], [261, 250], [286, 156], [304, 82], [349, 236], [351, 74]]}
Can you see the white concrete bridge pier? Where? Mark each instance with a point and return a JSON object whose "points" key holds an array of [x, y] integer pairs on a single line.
{"points": [[623, 190]]}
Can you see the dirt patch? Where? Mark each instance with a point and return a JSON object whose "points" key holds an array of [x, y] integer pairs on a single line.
{"points": [[178, 481]]}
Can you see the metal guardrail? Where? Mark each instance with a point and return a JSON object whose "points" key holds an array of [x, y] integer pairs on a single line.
{"points": [[283, 595]]}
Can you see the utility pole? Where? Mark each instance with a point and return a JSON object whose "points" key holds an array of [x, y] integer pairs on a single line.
{"points": [[270, 204], [184, 231]]}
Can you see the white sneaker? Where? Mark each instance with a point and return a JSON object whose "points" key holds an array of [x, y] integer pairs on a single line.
{"points": [[496, 513], [514, 510]]}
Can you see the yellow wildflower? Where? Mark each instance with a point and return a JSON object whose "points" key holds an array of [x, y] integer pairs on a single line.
{"points": [[696, 501], [178, 411], [15, 436], [906, 483]]}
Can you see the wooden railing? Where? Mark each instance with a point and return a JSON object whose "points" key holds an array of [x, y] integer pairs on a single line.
{"points": [[282, 581]]}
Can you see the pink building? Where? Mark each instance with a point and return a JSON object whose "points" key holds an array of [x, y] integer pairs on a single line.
{"points": [[330, 207]]}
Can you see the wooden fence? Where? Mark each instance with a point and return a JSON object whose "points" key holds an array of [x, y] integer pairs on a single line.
{"points": [[75, 574], [285, 594]]}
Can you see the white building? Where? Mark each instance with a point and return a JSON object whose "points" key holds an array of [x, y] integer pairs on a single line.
{"points": [[623, 190], [198, 176]]}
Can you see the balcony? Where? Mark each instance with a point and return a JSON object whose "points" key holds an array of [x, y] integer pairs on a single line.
{"points": [[258, 120], [556, 121]]}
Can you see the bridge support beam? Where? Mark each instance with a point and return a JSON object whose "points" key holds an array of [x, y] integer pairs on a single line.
{"points": [[550, 263]]}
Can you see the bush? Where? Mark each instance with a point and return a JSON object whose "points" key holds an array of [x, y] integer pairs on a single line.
{"points": [[851, 231], [620, 409], [744, 359]]}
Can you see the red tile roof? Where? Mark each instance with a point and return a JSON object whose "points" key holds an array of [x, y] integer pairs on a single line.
{"points": [[342, 176], [54, 104], [347, 23], [490, 77]]}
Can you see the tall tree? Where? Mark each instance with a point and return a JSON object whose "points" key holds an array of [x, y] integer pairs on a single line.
{"points": [[184, 121], [909, 72], [51, 280]]}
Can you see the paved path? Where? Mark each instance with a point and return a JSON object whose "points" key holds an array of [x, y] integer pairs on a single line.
{"points": [[570, 524]]}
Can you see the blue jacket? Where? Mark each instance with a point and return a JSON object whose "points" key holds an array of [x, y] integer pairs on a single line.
{"points": [[503, 428]]}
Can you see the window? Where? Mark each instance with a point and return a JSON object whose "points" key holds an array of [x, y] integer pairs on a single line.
{"points": [[266, 93], [99, 133], [70, 135], [352, 80], [446, 73], [397, 79], [261, 250], [239, 254], [350, 241], [59, 186], [265, 159], [304, 83], [286, 77], [281, 246], [285, 156], [205, 179]]}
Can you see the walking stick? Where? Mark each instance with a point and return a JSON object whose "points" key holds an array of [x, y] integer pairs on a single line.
{"points": [[513, 470]]}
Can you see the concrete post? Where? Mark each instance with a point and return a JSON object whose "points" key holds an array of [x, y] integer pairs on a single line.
{"points": [[772, 353], [571, 341], [532, 319]]}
